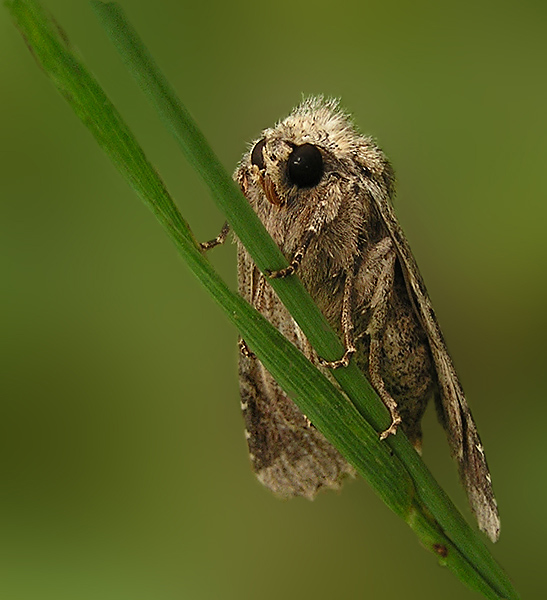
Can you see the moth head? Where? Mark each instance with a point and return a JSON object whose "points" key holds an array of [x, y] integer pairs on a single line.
{"points": [[309, 155]]}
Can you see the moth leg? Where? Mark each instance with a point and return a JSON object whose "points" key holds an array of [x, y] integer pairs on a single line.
{"points": [[220, 239], [244, 349], [296, 258], [379, 386], [375, 329], [347, 328], [258, 300], [258, 303]]}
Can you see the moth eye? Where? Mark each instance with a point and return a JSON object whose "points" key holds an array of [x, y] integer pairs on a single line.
{"points": [[305, 165], [257, 157]]}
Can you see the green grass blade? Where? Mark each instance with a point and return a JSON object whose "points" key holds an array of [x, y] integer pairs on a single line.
{"points": [[330, 410], [332, 414]]}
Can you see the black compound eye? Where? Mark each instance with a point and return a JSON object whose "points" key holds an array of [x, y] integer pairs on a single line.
{"points": [[305, 166], [257, 157]]}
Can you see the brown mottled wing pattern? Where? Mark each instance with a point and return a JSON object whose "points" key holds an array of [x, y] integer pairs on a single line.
{"points": [[461, 430], [288, 454]]}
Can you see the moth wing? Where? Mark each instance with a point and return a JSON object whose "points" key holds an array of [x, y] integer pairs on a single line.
{"points": [[288, 455], [463, 437]]}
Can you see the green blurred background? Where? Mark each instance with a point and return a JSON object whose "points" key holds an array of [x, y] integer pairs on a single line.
{"points": [[124, 471]]}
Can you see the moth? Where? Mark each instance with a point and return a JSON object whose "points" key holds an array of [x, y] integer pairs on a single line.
{"points": [[324, 192]]}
